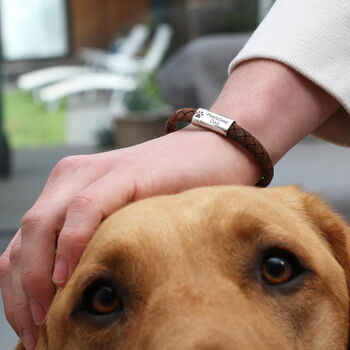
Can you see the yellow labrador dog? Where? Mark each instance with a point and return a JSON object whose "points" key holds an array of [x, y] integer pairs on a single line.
{"points": [[217, 268]]}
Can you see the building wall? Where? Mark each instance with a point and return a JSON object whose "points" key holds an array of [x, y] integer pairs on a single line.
{"points": [[193, 18], [95, 23]]}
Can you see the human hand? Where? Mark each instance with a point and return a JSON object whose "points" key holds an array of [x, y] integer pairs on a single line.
{"points": [[82, 190]]}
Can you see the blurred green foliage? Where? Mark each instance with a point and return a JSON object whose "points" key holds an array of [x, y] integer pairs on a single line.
{"points": [[146, 98], [29, 124]]}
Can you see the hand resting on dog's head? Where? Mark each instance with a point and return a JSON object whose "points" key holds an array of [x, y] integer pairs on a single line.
{"points": [[213, 268]]}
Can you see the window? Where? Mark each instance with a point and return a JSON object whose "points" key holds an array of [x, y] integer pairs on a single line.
{"points": [[34, 29]]}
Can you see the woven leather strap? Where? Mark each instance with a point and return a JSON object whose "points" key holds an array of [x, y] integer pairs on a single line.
{"points": [[236, 133]]}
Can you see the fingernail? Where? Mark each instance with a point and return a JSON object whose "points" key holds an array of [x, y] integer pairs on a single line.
{"points": [[38, 312], [61, 271], [28, 340]]}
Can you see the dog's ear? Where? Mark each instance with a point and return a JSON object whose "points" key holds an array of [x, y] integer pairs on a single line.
{"points": [[333, 227]]}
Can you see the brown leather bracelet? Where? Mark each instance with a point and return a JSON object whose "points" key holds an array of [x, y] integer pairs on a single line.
{"points": [[228, 127]]}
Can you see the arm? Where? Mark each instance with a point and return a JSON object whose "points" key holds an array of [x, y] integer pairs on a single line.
{"points": [[273, 102], [312, 37]]}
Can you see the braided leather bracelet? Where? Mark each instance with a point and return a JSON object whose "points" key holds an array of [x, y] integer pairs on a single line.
{"points": [[227, 127]]}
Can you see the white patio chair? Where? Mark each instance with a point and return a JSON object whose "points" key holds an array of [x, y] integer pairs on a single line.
{"points": [[128, 74], [130, 46], [152, 59], [86, 83]]}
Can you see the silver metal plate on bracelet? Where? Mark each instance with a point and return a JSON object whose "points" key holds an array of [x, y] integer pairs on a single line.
{"points": [[213, 121]]}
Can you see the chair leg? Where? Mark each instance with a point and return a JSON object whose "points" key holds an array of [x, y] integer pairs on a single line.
{"points": [[35, 96], [53, 106], [116, 103]]}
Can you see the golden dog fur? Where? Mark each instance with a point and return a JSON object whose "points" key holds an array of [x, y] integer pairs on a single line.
{"points": [[187, 271]]}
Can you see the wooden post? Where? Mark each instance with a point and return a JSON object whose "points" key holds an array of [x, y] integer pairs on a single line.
{"points": [[4, 149]]}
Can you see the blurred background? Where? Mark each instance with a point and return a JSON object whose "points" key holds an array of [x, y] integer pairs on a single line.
{"points": [[84, 76]]}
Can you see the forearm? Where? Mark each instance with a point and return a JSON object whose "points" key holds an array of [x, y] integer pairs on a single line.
{"points": [[274, 103]]}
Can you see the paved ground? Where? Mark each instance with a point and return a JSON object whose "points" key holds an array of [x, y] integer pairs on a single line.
{"points": [[316, 166]]}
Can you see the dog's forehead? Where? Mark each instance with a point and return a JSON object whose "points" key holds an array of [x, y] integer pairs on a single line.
{"points": [[211, 202], [200, 207], [198, 215]]}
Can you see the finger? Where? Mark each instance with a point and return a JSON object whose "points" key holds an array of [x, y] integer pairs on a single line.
{"points": [[38, 250], [40, 228], [84, 214], [21, 313], [6, 284]]}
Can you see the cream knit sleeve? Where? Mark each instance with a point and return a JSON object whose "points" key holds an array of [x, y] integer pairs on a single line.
{"points": [[310, 36]]}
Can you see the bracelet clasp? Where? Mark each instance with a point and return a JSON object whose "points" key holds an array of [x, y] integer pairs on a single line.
{"points": [[213, 121]]}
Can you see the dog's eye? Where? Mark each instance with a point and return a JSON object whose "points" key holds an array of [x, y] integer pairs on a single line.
{"points": [[101, 298], [105, 300], [279, 267]]}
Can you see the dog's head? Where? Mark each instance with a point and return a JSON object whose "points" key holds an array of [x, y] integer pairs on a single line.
{"points": [[213, 268]]}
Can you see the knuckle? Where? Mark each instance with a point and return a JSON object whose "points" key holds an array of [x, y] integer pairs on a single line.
{"points": [[31, 281], [74, 238], [20, 307], [80, 202], [5, 266], [30, 220], [15, 252], [67, 163]]}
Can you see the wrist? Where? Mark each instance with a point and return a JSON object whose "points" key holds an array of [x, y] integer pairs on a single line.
{"points": [[225, 161], [274, 103], [231, 130]]}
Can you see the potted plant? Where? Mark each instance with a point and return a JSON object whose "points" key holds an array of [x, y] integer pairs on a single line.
{"points": [[144, 116]]}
